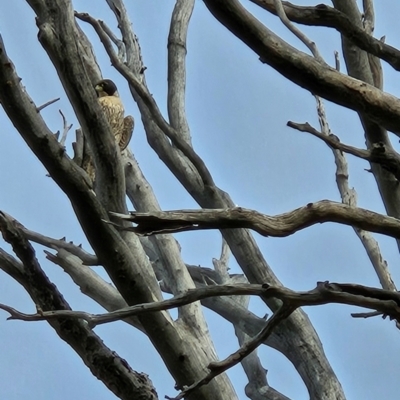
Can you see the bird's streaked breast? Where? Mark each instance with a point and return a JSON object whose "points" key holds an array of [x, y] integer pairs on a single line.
{"points": [[113, 110]]}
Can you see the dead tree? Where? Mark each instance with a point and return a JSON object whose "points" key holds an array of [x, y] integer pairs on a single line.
{"points": [[133, 242]]}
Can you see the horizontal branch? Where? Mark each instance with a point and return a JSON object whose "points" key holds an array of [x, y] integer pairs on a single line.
{"points": [[277, 226], [379, 153], [190, 296], [384, 301], [330, 139]]}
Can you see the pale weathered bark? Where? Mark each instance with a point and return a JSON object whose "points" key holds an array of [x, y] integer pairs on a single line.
{"points": [[278, 226], [141, 268], [128, 267]]}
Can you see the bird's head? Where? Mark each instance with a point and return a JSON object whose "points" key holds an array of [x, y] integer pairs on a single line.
{"points": [[106, 87]]}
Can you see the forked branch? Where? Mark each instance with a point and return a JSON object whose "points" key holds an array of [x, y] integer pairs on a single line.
{"points": [[217, 368], [147, 98]]}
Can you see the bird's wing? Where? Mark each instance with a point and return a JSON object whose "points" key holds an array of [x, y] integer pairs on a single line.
{"points": [[126, 136]]}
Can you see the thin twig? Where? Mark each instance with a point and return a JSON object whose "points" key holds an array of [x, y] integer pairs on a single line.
{"points": [[133, 56], [297, 32], [40, 108], [66, 129], [349, 195], [366, 315], [379, 153], [118, 42], [337, 61], [330, 139], [56, 244], [217, 368]]}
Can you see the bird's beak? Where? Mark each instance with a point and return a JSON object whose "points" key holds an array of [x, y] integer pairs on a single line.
{"points": [[98, 88]]}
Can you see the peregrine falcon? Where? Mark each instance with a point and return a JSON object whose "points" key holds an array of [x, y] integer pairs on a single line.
{"points": [[113, 109]]}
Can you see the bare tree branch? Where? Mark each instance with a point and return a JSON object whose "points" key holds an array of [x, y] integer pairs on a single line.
{"points": [[137, 279], [337, 61], [218, 368], [385, 301], [57, 18], [142, 196], [40, 108], [128, 37], [297, 32], [66, 129], [367, 68], [190, 296], [327, 83], [119, 43], [385, 156], [297, 330], [323, 15], [349, 197], [277, 226], [177, 68], [149, 101], [87, 258], [221, 266], [105, 364], [132, 274], [258, 387], [369, 16], [304, 70]]}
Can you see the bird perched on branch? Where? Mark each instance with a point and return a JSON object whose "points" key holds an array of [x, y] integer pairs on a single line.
{"points": [[113, 110]]}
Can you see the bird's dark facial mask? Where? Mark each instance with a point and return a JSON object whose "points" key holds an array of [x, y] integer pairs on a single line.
{"points": [[106, 87]]}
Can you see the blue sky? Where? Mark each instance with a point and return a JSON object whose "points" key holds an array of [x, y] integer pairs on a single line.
{"points": [[237, 109]]}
